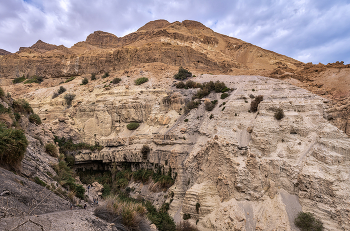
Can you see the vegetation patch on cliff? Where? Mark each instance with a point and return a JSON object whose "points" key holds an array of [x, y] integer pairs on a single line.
{"points": [[68, 145]]}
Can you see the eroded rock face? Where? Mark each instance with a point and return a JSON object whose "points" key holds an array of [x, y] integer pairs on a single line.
{"points": [[246, 170]]}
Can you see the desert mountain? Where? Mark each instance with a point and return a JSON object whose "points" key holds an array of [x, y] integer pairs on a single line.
{"points": [[4, 52], [263, 141]]}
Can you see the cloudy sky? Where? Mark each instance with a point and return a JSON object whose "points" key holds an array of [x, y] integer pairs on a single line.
{"points": [[307, 30]]}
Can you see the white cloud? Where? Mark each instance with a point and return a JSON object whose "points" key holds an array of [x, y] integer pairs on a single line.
{"points": [[309, 30]]}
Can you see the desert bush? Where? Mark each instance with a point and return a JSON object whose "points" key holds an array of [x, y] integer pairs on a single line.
{"points": [[142, 175], [61, 90], [192, 84], [51, 149], [17, 116], [180, 85], [145, 151], [69, 98], [191, 105], [307, 222], [80, 191], [34, 79], [116, 80], [182, 74], [132, 126], [19, 79], [34, 118], [70, 79], [2, 93], [22, 106], [93, 76], [224, 95], [105, 75], [255, 103], [279, 114], [140, 81], [84, 81], [13, 144], [55, 95], [4, 110], [209, 106]]}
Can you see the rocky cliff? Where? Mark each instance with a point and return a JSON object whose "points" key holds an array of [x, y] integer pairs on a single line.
{"points": [[235, 169]]}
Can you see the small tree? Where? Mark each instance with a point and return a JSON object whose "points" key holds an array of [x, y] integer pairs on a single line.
{"points": [[34, 118], [84, 81], [140, 81], [182, 74], [61, 90], [255, 103], [279, 114], [116, 80], [93, 76], [145, 151], [69, 98]]}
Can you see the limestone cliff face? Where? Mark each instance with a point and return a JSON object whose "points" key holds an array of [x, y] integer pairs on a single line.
{"points": [[245, 170]]}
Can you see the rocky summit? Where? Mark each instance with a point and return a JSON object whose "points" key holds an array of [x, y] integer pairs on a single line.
{"points": [[251, 138]]}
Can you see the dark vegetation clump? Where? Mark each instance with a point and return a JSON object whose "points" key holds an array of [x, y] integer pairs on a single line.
{"points": [[224, 95], [34, 118], [17, 116], [188, 84], [255, 103], [51, 149], [105, 75], [34, 79], [60, 91], [69, 98], [186, 216], [279, 114], [67, 145], [2, 93], [22, 106], [209, 105], [208, 87], [132, 126], [145, 151], [84, 81], [191, 105], [307, 222], [19, 79], [116, 80], [93, 76], [13, 144], [182, 74], [140, 81]]}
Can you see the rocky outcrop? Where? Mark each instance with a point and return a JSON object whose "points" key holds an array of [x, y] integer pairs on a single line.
{"points": [[4, 52]]}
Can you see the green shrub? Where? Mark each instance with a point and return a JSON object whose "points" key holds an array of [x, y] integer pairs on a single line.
{"points": [[84, 81], [22, 106], [279, 114], [191, 105], [255, 103], [80, 191], [145, 151], [224, 95], [17, 116], [186, 120], [34, 118], [307, 222], [180, 85], [70, 79], [106, 74], [132, 126], [69, 98], [211, 116], [19, 79], [182, 74], [93, 76], [35, 79], [140, 81], [2, 93], [4, 110], [116, 80], [13, 144], [40, 182], [142, 175], [61, 90], [51, 149]]}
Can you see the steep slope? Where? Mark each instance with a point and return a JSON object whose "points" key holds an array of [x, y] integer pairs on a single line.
{"points": [[4, 52]]}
